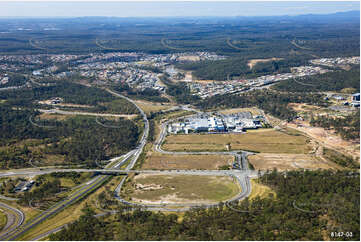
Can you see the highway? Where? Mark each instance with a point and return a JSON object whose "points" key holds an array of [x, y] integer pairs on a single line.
{"points": [[241, 175], [15, 218], [86, 188]]}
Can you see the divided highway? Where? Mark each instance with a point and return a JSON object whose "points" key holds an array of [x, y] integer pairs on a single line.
{"points": [[86, 188], [242, 176], [15, 218]]}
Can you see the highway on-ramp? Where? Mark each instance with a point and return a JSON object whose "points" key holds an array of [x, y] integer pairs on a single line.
{"points": [[87, 188], [15, 218]]}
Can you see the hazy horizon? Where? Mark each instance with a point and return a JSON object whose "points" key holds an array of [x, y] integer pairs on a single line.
{"points": [[169, 9]]}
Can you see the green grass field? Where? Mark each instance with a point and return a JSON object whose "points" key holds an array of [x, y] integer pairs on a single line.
{"points": [[181, 188]]}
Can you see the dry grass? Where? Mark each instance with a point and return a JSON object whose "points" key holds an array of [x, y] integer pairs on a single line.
{"points": [[303, 107], [182, 189], [152, 107], [254, 111], [189, 58], [260, 190], [204, 162], [53, 116], [270, 141], [284, 162]]}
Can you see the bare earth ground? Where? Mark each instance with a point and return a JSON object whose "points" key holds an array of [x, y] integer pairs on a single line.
{"points": [[252, 63], [204, 81], [282, 162], [48, 102], [149, 188], [328, 139], [188, 58], [270, 141], [203, 162]]}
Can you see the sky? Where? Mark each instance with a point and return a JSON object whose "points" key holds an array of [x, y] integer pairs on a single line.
{"points": [[169, 8]]}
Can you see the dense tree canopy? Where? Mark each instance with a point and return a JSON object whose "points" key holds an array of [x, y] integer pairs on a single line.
{"points": [[271, 102], [308, 206]]}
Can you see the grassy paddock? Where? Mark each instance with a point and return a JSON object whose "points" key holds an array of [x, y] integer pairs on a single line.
{"points": [[203, 162], [181, 188], [269, 142], [152, 107], [269, 161]]}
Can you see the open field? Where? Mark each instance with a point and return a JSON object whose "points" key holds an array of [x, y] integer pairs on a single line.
{"points": [[269, 141], [203, 162], [252, 63], [260, 190], [188, 58], [182, 189], [152, 107], [282, 162], [303, 107], [254, 111], [52, 116]]}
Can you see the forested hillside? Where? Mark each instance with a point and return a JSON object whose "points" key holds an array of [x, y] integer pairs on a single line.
{"points": [[78, 139], [271, 102], [331, 81], [237, 67]]}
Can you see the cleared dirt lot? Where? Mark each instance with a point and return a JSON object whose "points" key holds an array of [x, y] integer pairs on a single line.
{"points": [[328, 138], [188, 58], [252, 63], [202, 162], [149, 188], [269, 141], [289, 162]]}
